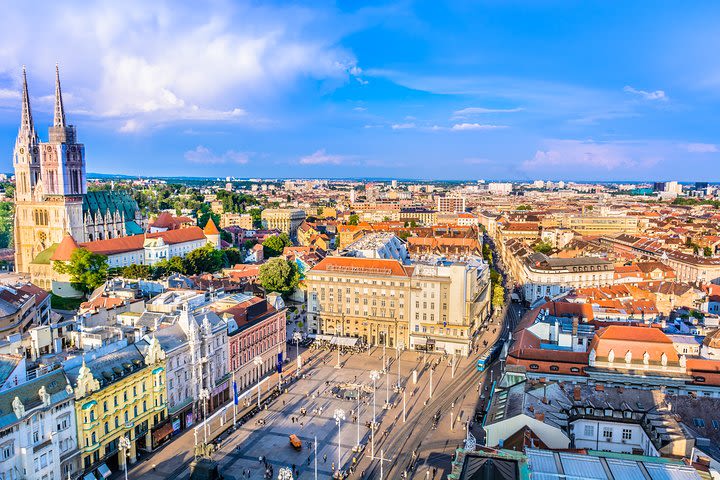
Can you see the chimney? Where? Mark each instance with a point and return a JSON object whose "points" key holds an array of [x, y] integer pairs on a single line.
{"points": [[576, 394], [599, 388], [531, 408], [575, 322], [540, 417]]}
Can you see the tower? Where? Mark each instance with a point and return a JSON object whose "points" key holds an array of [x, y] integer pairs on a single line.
{"points": [[50, 182]]}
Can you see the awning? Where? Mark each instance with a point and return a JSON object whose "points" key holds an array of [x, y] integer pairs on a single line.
{"points": [[104, 471], [321, 337], [419, 340], [90, 476], [344, 341], [162, 432]]}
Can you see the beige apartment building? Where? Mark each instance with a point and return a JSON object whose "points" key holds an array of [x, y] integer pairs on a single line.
{"points": [[242, 220], [383, 302], [364, 298], [594, 224], [286, 220]]}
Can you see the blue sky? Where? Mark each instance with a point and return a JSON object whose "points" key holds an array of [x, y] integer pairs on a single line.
{"points": [[584, 90]]}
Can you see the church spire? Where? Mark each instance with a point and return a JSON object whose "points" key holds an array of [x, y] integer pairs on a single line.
{"points": [[26, 121], [59, 109]]}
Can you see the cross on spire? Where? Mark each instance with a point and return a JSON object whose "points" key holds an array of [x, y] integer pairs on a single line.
{"points": [[59, 109]]}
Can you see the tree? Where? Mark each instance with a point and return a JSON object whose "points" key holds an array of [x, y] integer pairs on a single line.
{"points": [[87, 270], [274, 246], [256, 215], [233, 256], [353, 219], [279, 275], [205, 259], [205, 214], [707, 251], [543, 247], [498, 298], [136, 271]]}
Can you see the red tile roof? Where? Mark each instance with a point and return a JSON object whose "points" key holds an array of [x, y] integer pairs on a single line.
{"points": [[210, 228], [64, 251], [364, 265], [113, 246]]}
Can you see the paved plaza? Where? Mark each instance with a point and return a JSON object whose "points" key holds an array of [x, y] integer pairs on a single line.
{"points": [[239, 454]]}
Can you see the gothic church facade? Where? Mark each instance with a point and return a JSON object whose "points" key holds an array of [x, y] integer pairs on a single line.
{"points": [[51, 197]]}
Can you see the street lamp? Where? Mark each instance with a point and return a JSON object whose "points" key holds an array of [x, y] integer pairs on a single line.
{"points": [[258, 363], [401, 346], [339, 417], [204, 396], [125, 449], [374, 375], [297, 336]]}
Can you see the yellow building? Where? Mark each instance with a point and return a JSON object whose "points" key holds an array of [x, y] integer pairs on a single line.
{"points": [[120, 394]]}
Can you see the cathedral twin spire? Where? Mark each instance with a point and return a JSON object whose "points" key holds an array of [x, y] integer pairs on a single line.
{"points": [[59, 120], [26, 122]]}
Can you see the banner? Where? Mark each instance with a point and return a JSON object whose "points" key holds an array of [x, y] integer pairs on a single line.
{"points": [[235, 392], [279, 362]]}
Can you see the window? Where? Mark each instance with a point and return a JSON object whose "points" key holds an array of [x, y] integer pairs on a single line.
{"points": [[589, 430], [554, 368], [534, 366], [574, 369], [8, 450], [716, 425], [626, 434], [699, 422]]}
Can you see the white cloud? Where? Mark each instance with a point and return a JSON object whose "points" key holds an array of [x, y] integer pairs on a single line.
{"points": [[321, 157], [475, 126], [160, 62], [480, 110], [359, 109], [655, 95], [203, 155], [130, 126], [701, 148], [9, 94], [403, 126], [558, 155]]}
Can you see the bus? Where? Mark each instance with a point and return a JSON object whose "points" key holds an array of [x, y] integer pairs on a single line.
{"points": [[489, 356]]}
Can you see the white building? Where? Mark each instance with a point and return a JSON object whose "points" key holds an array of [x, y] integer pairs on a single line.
{"points": [[381, 245], [38, 431], [500, 188], [544, 276], [448, 303]]}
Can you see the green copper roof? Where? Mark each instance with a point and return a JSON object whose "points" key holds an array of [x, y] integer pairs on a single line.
{"points": [[112, 201], [43, 258], [132, 228]]}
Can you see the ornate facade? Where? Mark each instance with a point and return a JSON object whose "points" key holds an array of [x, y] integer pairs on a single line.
{"points": [[51, 197]]}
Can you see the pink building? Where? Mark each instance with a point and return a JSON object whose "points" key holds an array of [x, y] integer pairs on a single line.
{"points": [[261, 333]]}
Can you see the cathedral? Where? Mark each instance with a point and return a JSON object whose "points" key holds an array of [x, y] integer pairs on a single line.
{"points": [[51, 197]]}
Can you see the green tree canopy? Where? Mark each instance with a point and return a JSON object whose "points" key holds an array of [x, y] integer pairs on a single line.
{"points": [[205, 259], [233, 256], [137, 271], [498, 297], [279, 275], [256, 215], [543, 247], [87, 270], [353, 219], [274, 246]]}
